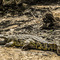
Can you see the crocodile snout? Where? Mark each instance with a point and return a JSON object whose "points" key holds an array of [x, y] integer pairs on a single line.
{"points": [[2, 41]]}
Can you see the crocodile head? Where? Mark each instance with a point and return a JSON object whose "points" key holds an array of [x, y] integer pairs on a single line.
{"points": [[3, 36], [6, 38], [3, 39]]}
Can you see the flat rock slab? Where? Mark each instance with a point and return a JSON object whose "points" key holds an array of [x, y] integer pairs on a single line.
{"points": [[17, 54]]}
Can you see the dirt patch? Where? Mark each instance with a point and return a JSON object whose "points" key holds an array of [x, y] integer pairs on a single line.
{"points": [[17, 54]]}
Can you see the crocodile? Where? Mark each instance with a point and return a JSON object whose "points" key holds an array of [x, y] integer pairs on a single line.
{"points": [[26, 42]]}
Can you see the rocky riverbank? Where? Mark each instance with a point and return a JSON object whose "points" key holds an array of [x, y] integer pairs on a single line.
{"points": [[30, 22]]}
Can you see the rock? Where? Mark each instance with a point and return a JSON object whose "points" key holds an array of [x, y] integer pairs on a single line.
{"points": [[48, 20], [9, 2]]}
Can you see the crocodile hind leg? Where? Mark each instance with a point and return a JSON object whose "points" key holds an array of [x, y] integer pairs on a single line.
{"points": [[26, 45]]}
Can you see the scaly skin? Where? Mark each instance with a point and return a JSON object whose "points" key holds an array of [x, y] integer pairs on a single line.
{"points": [[30, 41]]}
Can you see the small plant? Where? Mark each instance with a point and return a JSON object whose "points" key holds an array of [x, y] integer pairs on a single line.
{"points": [[51, 30]]}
